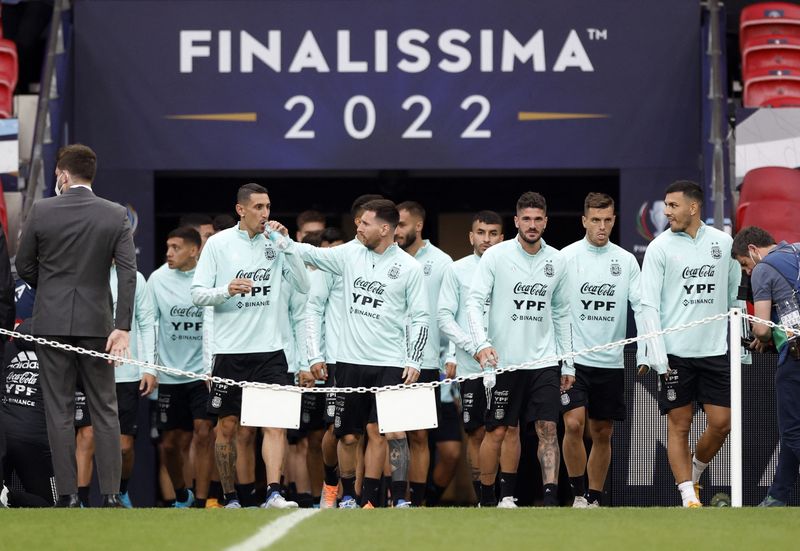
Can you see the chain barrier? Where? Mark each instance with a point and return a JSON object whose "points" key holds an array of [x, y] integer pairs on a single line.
{"points": [[546, 361]]}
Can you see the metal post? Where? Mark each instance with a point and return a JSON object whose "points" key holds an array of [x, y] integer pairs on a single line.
{"points": [[736, 406]]}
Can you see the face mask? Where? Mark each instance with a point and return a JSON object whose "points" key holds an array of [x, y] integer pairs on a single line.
{"points": [[753, 259], [59, 188]]}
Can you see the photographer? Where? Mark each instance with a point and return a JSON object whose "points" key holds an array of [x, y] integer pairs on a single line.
{"points": [[774, 271]]}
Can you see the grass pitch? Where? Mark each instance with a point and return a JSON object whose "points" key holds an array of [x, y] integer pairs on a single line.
{"points": [[407, 530]]}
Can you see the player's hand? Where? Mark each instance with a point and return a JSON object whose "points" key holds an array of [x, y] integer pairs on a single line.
{"points": [[117, 344], [148, 384], [278, 227], [450, 370], [240, 286], [643, 370], [320, 371], [566, 382], [410, 375], [306, 379], [487, 356], [758, 345]]}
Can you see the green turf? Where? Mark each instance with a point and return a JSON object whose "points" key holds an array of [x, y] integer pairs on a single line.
{"points": [[407, 530]]}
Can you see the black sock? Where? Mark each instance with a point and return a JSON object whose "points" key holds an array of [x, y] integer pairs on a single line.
{"points": [[386, 491], [398, 490], [348, 487], [434, 494], [276, 487], [169, 503], [304, 500], [291, 491], [199, 503], [215, 489], [83, 495], [247, 493], [417, 491], [227, 498], [370, 490], [331, 475], [181, 494], [550, 495], [488, 497], [578, 485], [508, 483], [476, 486], [123, 486], [596, 495]]}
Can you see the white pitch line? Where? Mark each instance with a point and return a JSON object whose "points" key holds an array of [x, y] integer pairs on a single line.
{"points": [[272, 532]]}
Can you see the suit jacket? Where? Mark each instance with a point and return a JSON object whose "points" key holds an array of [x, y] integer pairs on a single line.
{"points": [[7, 310], [65, 253]]}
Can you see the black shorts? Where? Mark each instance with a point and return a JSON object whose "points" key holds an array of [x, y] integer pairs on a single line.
{"points": [[600, 390], [127, 408], [523, 396], [180, 404], [312, 411], [259, 367], [429, 376], [353, 410], [330, 398], [449, 429], [701, 380], [473, 404]]}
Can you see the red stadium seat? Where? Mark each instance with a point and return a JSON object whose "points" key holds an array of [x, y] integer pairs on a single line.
{"points": [[9, 68], [770, 199], [781, 101], [769, 19], [6, 99], [769, 53], [765, 84], [770, 183]]}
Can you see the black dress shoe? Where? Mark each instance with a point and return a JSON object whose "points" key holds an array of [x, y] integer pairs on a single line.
{"points": [[68, 501], [112, 500]]}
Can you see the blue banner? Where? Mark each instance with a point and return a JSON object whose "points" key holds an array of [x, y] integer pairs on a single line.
{"points": [[366, 84]]}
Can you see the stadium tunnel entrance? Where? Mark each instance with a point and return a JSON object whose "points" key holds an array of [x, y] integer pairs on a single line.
{"points": [[450, 198]]}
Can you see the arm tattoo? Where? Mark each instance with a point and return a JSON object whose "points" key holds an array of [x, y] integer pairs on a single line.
{"points": [[226, 464], [548, 452]]}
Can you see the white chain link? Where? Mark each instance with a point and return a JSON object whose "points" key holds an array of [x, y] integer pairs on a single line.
{"points": [[769, 323], [547, 361]]}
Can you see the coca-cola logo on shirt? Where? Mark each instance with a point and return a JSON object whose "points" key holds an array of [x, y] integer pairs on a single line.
{"points": [[186, 311], [261, 274], [369, 286], [535, 289], [706, 270], [602, 290], [24, 378]]}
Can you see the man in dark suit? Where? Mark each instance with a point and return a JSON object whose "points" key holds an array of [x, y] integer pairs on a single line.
{"points": [[66, 250]]}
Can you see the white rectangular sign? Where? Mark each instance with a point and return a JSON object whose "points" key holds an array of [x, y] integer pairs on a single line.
{"points": [[263, 407], [407, 409]]}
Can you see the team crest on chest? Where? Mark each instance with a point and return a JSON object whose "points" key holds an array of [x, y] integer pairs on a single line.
{"points": [[428, 268], [616, 269], [549, 271], [394, 272], [716, 251], [269, 252]]}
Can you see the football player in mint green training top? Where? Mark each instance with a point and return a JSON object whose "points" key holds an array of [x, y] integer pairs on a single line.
{"points": [[688, 274]]}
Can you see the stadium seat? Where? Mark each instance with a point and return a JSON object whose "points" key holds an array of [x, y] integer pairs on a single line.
{"points": [[769, 19], [770, 83], [6, 99], [771, 52], [9, 68], [781, 101], [770, 183], [770, 198]]}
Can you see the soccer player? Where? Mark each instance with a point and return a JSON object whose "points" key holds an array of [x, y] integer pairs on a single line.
{"points": [[408, 236], [773, 270], [384, 288], [486, 231], [242, 274], [605, 278], [309, 221], [132, 382], [326, 302], [203, 223], [688, 274], [527, 282], [182, 401]]}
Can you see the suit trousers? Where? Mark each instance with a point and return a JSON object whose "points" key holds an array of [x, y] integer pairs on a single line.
{"points": [[59, 369]]}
